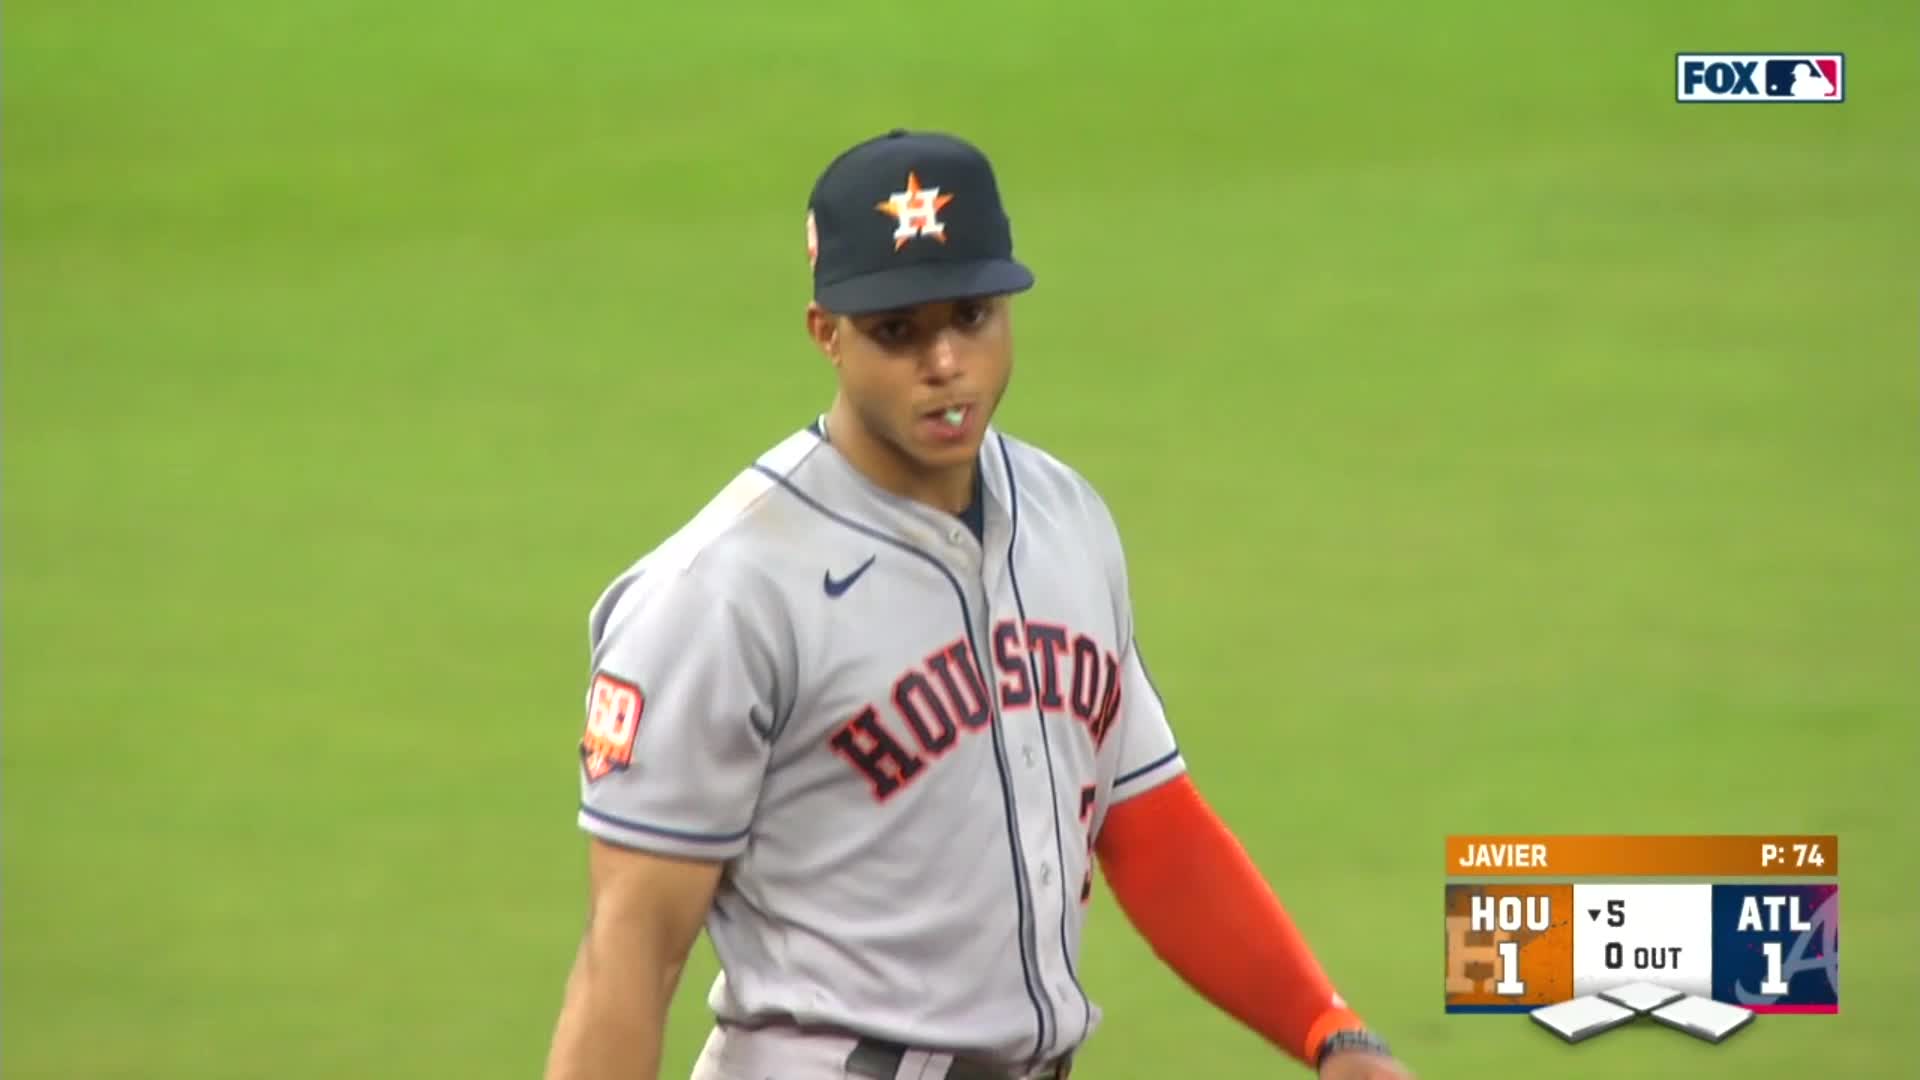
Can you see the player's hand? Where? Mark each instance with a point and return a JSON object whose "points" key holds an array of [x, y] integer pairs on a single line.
{"points": [[1362, 1065]]}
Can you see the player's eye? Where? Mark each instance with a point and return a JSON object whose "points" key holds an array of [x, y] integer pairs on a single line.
{"points": [[892, 332], [971, 314]]}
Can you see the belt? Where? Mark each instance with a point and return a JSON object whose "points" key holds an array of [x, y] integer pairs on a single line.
{"points": [[881, 1061]]}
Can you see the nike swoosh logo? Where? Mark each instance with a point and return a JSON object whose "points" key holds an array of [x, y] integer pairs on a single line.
{"points": [[835, 588]]}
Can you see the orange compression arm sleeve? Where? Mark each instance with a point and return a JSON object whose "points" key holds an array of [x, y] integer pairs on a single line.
{"points": [[1192, 892]]}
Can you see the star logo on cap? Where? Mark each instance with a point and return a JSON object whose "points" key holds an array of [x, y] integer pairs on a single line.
{"points": [[917, 209]]}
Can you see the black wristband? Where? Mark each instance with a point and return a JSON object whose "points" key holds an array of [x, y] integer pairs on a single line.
{"points": [[1351, 1039]]}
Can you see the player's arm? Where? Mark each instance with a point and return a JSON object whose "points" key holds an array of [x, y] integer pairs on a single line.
{"points": [[1190, 889], [644, 912], [681, 711]]}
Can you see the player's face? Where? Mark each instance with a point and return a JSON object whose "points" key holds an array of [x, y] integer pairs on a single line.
{"points": [[925, 380]]}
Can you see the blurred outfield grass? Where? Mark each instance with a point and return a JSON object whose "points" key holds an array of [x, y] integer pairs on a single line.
{"points": [[1500, 446]]}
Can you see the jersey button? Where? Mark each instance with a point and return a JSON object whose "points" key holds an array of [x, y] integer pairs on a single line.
{"points": [[956, 536]]}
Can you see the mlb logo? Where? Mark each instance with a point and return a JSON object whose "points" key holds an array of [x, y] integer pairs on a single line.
{"points": [[1767, 78]]}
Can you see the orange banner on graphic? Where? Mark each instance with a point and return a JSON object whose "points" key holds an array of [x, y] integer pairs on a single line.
{"points": [[1764, 855]]}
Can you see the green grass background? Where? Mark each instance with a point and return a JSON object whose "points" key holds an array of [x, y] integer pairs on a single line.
{"points": [[1500, 447]]}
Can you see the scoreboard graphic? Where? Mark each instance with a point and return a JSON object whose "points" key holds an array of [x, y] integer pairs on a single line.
{"points": [[1585, 933]]}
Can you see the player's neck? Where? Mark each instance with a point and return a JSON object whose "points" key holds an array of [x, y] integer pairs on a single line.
{"points": [[883, 464]]}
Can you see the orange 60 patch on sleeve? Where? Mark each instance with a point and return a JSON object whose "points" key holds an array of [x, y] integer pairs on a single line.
{"points": [[613, 720]]}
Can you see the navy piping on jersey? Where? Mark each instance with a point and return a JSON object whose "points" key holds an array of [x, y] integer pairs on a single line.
{"points": [[974, 516], [671, 834], [1046, 744], [1034, 993], [1147, 768], [1140, 655], [601, 617]]}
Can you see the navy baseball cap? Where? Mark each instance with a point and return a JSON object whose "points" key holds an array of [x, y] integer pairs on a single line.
{"points": [[909, 218]]}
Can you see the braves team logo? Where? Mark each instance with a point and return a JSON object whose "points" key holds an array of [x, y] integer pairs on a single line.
{"points": [[613, 721], [1760, 77], [917, 209], [1809, 953]]}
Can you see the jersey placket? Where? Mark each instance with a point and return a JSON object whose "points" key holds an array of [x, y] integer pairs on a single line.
{"points": [[1034, 801], [972, 562]]}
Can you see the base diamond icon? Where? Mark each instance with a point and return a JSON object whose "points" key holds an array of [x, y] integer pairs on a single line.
{"points": [[1581, 1018], [1642, 997], [1704, 1018]]}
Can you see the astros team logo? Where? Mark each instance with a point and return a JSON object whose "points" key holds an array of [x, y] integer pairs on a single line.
{"points": [[813, 241], [917, 209]]}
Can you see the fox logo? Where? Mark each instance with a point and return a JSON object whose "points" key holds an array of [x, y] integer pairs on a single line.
{"points": [[1754, 77]]}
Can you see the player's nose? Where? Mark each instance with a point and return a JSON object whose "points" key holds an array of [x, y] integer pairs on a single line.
{"points": [[943, 360]]}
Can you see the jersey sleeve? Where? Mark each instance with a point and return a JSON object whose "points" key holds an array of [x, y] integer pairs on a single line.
{"points": [[1148, 755], [680, 707]]}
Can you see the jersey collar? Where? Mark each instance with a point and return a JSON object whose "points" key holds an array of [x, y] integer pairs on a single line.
{"points": [[995, 490]]}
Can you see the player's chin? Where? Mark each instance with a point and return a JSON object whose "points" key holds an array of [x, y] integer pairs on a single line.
{"points": [[932, 457]]}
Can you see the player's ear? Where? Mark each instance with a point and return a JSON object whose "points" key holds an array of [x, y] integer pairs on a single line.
{"points": [[823, 327]]}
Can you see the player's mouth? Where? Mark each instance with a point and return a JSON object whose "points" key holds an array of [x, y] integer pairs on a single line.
{"points": [[949, 423]]}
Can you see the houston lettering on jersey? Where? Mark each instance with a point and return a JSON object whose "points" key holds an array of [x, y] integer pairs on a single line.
{"points": [[945, 698]]}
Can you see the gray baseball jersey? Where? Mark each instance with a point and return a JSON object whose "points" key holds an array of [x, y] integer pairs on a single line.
{"points": [[901, 738]]}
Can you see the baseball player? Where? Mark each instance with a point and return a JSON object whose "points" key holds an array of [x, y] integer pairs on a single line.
{"points": [[874, 713]]}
